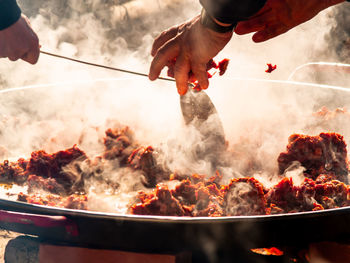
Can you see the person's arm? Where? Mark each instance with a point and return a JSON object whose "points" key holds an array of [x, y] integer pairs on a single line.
{"points": [[279, 16], [17, 39]]}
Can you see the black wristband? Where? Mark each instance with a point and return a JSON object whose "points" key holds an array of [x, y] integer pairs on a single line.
{"points": [[208, 21], [9, 13]]}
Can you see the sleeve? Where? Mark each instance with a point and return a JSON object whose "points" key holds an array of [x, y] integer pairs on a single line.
{"points": [[232, 11], [9, 13]]}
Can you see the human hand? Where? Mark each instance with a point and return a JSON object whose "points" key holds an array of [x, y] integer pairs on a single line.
{"points": [[186, 49], [19, 41], [279, 16]]}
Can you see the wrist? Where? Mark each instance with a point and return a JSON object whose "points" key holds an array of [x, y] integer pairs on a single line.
{"points": [[213, 24]]}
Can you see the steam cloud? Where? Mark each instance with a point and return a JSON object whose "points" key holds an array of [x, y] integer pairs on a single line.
{"points": [[258, 117]]}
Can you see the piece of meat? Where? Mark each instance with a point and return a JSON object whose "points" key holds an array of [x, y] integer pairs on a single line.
{"points": [[38, 183], [162, 203], [13, 172], [332, 194], [143, 159], [51, 165], [223, 64], [322, 154], [282, 197], [202, 198], [221, 67], [71, 202], [244, 196], [270, 68], [119, 144]]}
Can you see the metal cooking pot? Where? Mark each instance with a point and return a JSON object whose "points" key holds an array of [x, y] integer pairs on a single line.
{"points": [[116, 98]]}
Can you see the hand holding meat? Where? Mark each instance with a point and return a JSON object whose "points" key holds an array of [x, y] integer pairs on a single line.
{"points": [[19, 41], [279, 16], [187, 48]]}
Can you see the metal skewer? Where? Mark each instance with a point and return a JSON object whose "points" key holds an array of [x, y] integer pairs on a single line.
{"points": [[102, 66]]}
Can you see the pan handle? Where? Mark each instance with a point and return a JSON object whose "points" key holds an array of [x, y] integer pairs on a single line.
{"points": [[43, 222]]}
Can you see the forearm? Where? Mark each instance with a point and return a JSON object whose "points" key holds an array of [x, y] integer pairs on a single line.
{"points": [[9, 13], [232, 11]]}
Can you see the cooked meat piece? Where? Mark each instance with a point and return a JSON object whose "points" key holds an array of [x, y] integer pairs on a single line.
{"points": [[142, 159], [223, 64], [202, 195], [162, 203], [50, 185], [75, 202], [323, 154], [305, 195], [332, 194], [71, 202], [13, 172], [200, 199], [50, 165], [309, 196], [244, 196], [186, 192], [282, 197], [119, 144], [270, 68]]}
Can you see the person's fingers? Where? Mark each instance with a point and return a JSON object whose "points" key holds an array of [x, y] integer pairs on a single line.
{"points": [[182, 68], [170, 72], [13, 57], [163, 38], [167, 52], [32, 55], [254, 24], [269, 32], [201, 74]]}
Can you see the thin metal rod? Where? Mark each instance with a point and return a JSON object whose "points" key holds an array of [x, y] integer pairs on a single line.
{"points": [[101, 66]]}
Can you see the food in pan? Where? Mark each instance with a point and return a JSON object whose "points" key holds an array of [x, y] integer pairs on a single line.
{"points": [[63, 179]]}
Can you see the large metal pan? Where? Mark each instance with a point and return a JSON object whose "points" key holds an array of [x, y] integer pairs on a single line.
{"points": [[210, 236]]}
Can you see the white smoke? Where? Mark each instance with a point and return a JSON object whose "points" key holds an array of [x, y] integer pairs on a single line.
{"points": [[258, 115]]}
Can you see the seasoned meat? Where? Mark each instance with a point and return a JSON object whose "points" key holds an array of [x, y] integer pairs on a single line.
{"points": [[244, 196], [322, 154], [37, 183], [143, 159], [71, 201], [51, 165], [332, 194], [119, 144], [13, 172], [162, 203], [202, 198]]}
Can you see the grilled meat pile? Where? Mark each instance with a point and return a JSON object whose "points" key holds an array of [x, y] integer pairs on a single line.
{"points": [[62, 179]]}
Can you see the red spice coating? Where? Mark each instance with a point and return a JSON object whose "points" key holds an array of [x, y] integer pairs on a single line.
{"points": [[223, 64], [72, 201], [187, 199], [322, 154], [221, 67], [36, 183], [244, 196], [270, 68], [118, 144], [50, 165], [13, 172], [162, 203]]}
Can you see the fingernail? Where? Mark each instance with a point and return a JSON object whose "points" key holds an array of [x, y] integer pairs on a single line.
{"points": [[182, 91]]}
